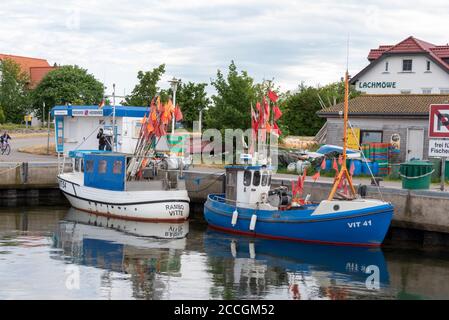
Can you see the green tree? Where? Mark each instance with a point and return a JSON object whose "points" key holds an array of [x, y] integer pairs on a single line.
{"points": [[14, 93], [231, 105], [300, 108], [191, 97], [147, 87], [2, 116], [67, 84]]}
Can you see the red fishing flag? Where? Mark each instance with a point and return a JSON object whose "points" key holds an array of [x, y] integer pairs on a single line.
{"points": [[345, 187], [352, 168], [323, 164], [334, 165], [272, 96], [101, 105], [254, 123], [266, 110], [316, 176], [340, 185], [178, 114], [293, 189], [276, 129], [277, 113], [340, 160], [300, 185]]}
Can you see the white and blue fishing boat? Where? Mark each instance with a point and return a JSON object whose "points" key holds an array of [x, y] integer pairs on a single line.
{"points": [[250, 207]]}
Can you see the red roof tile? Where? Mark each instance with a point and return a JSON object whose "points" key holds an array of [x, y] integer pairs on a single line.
{"points": [[35, 68], [413, 45]]}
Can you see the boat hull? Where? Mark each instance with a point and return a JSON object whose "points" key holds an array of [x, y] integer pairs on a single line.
{"points": [[141, 206], [366, 227]]}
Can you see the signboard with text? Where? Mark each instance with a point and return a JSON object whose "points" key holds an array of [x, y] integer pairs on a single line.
{"points": [[439, 148], [439, 121], [87, 113]]}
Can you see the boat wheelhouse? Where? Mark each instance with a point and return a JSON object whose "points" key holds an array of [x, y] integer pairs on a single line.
{"points": [[99, 184]]}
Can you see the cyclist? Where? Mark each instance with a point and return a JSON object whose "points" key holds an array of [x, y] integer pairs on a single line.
{"points": [[5, 138]]}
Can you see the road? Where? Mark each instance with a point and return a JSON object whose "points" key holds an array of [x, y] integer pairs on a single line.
{"points": [[16, 156]]}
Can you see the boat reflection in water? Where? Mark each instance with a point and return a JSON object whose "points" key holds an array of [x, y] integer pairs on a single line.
{"points": [[307, 271], [142, 250]]}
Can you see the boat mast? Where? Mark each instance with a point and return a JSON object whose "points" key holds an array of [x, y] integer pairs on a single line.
{"points": [[344, 173]]}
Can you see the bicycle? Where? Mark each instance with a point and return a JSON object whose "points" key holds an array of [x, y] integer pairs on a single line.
{"points": [[5, 148]]}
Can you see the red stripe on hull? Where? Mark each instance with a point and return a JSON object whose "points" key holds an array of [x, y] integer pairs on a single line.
{"points": [[127, 218], [253, 234]]}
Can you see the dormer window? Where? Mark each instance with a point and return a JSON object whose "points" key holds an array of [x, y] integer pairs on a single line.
{"points": [[407, 65]]}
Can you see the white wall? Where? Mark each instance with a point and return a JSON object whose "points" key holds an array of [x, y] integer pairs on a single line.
{"points": [[415, 81], [81, 133]]}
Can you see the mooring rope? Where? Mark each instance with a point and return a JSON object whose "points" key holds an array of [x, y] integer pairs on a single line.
{"points": [[10, 169]]}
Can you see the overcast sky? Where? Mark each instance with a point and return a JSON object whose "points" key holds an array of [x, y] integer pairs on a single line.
{"points": [[290, 41]]}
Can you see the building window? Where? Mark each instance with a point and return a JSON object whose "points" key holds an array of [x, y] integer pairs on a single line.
{"points": [[406, 91], [407, 65], [117, 169], [428, 65], [427, 90], [444, 91], [370, 136], [247, 178], [256, 180], [386, 66], [264, 179], [102, 165], [89, 166]]}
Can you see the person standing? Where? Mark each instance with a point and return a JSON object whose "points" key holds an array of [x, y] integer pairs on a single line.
{"points": [[101, 139]]}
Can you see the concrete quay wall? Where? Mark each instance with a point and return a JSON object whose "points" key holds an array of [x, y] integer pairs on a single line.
{"points": [[422, 210]]}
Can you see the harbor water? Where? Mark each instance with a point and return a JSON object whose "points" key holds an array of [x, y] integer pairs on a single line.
{"points": [[62, 253]]}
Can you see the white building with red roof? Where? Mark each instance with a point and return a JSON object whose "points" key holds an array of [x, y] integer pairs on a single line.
{"points": [[412, 66]]}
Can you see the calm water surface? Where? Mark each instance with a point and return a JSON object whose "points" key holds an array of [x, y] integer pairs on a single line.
{"points": [[60, 253]]}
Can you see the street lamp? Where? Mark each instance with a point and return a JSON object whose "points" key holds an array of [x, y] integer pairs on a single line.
{"points": [[201, 118], [174, 86]]}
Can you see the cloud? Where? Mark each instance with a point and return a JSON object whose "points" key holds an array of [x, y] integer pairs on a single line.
{"points": [[290, 41]]}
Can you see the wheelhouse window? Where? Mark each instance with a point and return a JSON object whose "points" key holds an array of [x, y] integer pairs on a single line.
{"points": [[386, 66], [428, 65], [247, 178], [444, 91], [89, 166], [117, 168], [407, 65], [264, 179], [102, 165], [370, 136], [426, 90], [256, 180]]}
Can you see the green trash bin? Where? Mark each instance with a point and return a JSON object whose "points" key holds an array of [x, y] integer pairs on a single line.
{"points": [[446, 170], [416, 174]]}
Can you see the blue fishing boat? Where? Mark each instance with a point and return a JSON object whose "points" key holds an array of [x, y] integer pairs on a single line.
{"points": [[250, 207]]}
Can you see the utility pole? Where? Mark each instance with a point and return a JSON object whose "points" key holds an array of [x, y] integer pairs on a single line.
{"points": [[174, 86]]}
